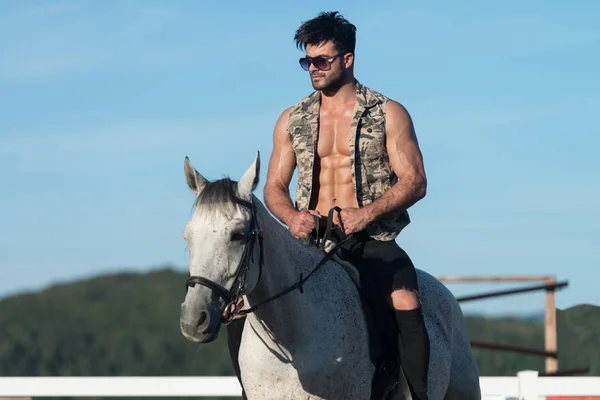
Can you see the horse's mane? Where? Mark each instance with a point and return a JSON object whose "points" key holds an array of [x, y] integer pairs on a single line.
{"points": [[221, 196]]}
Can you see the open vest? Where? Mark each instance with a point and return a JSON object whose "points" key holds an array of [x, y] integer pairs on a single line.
{"points": [[372, 174]]}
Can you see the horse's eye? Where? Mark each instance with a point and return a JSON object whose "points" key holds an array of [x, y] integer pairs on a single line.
{"points": [[237, 236]]}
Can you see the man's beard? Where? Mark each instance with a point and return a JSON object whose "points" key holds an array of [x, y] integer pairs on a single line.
{"points": [[328, 84]]}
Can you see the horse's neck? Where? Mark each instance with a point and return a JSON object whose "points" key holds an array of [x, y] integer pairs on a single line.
{"points": [[285, 258]]}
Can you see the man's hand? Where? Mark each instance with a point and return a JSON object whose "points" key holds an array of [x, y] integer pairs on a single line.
{"points": [[354, 219], [302, 223]]}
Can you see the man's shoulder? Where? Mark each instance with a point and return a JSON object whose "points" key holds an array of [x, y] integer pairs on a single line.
{"points": [[305, 109], [369, 98], [285, 115], [396, 111], [306, 102], [289, 112], [292, 113], [391, 105]]}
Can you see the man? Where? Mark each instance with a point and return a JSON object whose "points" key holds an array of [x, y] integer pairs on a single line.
{"points": [[357, 150]]}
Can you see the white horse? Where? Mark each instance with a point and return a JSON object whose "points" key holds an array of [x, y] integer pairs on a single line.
{"points": [[311, 342]]}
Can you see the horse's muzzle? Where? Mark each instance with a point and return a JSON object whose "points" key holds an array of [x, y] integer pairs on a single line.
{"points": [[200, 327]]}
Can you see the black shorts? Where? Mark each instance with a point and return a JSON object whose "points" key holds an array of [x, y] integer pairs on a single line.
{"points": [[383, 266]]}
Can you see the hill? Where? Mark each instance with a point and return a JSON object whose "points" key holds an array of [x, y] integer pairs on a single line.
{"points": [[127, 324], [124, 324]]}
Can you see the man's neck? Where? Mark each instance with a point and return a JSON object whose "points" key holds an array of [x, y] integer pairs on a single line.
{"points": [[343, 95]]}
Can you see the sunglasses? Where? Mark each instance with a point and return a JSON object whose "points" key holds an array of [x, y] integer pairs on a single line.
{"points": [[320, 63]]}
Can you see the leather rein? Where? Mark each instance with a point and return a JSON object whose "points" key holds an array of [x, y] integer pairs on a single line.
{"points": [[231, 296]]}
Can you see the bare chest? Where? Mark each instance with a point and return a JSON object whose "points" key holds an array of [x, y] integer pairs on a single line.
{"points": [[334, 132]]}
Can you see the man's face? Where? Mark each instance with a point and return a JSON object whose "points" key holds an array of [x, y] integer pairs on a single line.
{"points": [[329, 70]]}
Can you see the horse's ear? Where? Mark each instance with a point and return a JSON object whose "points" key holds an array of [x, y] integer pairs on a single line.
{"points": [[195, 181], [250, 179]]}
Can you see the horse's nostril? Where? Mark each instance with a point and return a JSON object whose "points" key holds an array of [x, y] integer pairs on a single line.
{"points": [[202, 321]]}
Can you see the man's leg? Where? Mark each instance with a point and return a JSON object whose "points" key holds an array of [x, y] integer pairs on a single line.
{"points": [[397, 276], [413, 340], [234, 338]]}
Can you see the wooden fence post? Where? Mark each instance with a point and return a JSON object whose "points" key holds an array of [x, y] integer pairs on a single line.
{"points": [[550, 334]]}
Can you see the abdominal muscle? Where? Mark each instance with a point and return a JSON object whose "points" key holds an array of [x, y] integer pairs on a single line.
{"points": [[332, 178], [334, 186]]}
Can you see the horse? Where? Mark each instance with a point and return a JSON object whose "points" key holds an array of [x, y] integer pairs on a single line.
{"points": [[306, 334]]}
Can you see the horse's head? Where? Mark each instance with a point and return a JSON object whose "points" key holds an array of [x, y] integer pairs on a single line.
{"points": [[224, 250]]}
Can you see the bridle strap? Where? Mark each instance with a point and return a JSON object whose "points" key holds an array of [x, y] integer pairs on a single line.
{"points": [[321, 242], [220, 290], [299, 284], [231, 298], [329, 225], [232, 295]]}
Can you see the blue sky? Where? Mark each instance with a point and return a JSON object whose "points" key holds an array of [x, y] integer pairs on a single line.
{"points": [[101, 102]]}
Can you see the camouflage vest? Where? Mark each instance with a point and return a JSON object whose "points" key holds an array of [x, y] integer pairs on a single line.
{"points": [[372, 174]]}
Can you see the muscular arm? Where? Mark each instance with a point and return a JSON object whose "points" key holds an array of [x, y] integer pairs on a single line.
{"points": [[280, 171], [407, 162]]}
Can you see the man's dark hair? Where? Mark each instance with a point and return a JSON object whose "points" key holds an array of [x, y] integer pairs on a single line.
{"points": [[327, 26]]}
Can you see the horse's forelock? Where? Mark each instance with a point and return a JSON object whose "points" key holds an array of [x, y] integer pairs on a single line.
{"points": [[218, 196]]}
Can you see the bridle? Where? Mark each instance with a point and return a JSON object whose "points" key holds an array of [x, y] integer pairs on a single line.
{"points": [[231, 296]]}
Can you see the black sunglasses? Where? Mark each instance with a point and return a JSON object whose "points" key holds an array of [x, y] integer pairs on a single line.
{"points": [[320, 63]]}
